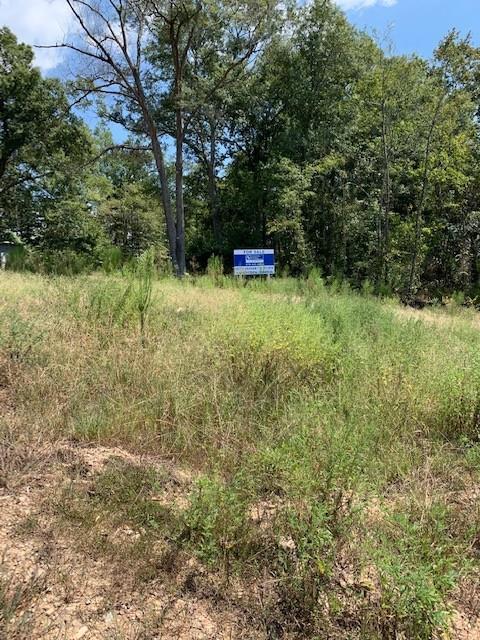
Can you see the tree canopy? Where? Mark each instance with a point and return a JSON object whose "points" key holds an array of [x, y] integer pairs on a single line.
{"points": [[250, 124]]}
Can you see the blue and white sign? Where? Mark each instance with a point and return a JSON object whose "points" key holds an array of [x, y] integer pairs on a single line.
{"points": [[254, 262]]}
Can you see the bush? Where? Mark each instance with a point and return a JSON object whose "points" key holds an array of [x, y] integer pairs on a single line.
{"points": [[109, 258], [19, 259], [418, 566], [216, 522], [215, 269]]}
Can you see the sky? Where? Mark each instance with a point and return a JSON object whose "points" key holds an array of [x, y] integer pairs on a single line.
{"points": [[414, 26]]}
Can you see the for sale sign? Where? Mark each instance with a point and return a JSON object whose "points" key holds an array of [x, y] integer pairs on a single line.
{"points": [[254, 262]]}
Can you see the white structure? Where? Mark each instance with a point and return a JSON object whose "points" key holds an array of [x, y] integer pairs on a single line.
{"points": [[5, 249]]}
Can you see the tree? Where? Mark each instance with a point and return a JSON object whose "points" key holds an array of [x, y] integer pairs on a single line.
{"points": [[141, 54], [41, 140], [374, 154], [287, 128], [131, 220], [297, 107]]}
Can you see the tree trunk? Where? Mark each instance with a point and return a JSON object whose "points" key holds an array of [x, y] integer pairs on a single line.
{"points": [[3, 165], [474, 274], [179, 141], [386, 204], [421, 202], [212, 187], [151, 130], [212, 196], [166, 200], [179, 191]]}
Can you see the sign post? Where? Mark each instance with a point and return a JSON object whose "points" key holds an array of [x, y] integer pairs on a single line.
{"points": [[254, 262]]}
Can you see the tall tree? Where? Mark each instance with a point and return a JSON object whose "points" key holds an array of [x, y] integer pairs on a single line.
{"points": [[111, 40], [40, 138], [142, 55]]}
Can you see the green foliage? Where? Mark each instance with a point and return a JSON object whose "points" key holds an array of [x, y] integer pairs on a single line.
{"points": [[472, 454], [42, 143], [331, 149], [418, 566], [215, 269], [18, 336], [117, 301], [102, 302], [305, 557], [355, 160], [70, 227], [290, 188], [142, 287], [19, 259], [110, 258], [66, 262], [132, 219], [216, 522]]}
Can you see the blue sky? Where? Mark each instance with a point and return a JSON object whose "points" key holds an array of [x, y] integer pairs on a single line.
{"points": [[417, 25]]}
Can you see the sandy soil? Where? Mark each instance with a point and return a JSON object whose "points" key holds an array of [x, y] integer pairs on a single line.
{"points": [[62, 593]]}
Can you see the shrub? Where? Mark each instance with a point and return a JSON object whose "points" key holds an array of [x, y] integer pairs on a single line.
{"points": [[215, 269], [416, 572], [216, 522]]}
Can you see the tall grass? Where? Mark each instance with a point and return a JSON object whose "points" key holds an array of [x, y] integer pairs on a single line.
{"points": [[357, 423]]}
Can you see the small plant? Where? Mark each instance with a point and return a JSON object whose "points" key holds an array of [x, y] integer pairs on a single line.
{"points": [[18, 336], [314, 283], [417, 567], [215, 270], [144, 272], [305, 554], [472, 454], [126, 489], [368, 288], [216, 522], [104, 302], [16, 596], [19, 259], [458, 299], [110, 258]]}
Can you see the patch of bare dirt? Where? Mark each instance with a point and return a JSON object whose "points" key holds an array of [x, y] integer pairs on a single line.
{"points": [[51, 590], [463, 629]]}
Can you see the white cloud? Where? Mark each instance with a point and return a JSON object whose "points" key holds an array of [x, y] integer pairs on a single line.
{"points": [[38, 22], [363, 4], [48, 21]]}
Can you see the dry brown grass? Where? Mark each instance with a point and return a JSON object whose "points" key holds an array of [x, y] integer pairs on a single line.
{"points": [[351, 434]]}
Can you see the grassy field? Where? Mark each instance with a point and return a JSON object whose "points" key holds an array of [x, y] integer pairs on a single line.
{"points": [[313, 453]]}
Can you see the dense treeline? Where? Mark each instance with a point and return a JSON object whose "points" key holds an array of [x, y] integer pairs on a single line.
{"points": [[250, 124]]}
